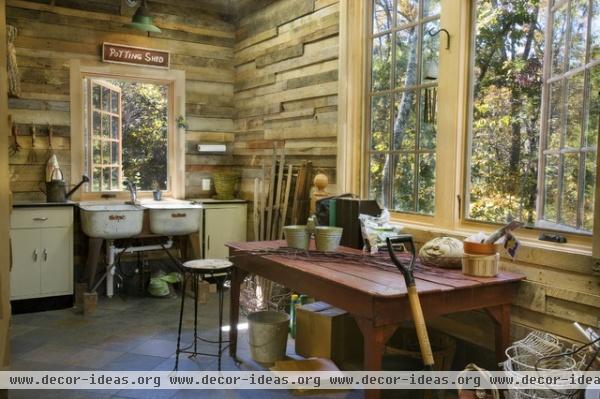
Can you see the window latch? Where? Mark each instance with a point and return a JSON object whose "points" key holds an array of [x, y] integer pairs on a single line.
{"points": [[553, 238]]}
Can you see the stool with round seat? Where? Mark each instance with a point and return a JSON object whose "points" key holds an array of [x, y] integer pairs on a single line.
{"points": [[219, 270]]}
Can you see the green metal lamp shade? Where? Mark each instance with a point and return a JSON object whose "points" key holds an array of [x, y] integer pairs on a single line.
{"points": [[142, 20]]}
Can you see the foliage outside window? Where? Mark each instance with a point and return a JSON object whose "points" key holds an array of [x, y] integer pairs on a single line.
{"points": [[535, 86], [128, 121], [403, 104]]}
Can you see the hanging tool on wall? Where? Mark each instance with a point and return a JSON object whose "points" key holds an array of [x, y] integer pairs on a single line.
{"points": [[50, 150], [413, 296], [14, 146], [32, 156]]}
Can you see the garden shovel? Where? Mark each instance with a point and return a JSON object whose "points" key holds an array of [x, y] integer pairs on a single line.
{"points": [[413, 296]]}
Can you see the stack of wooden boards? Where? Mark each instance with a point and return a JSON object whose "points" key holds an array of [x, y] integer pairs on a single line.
{"points": [[272, 197]]}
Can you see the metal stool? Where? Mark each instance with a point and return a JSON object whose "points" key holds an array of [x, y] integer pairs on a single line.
{"points": [[218, 269]]}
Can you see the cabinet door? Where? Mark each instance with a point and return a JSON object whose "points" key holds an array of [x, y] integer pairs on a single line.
{"points": [[25, 279], [55, 261], [223, 225]]}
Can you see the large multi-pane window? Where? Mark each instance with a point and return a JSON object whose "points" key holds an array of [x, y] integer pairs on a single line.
{"points": [[534, 112], [126, 134], [568, 162], [403, 104]]}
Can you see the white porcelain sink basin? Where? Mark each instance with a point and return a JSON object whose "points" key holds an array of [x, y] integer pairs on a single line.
{"points": [[111, 221], [173, 218]]}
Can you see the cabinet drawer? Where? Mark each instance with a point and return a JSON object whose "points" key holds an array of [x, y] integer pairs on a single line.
{"points": [[41, 217]]}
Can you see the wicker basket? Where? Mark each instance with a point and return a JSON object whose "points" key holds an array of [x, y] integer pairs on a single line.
{"points": [[480, 266], [405, 343], [225, 184]]}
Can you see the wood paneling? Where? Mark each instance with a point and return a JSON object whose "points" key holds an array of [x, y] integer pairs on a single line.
{"points": [[286, 85], [4, 201], [200, 36]]}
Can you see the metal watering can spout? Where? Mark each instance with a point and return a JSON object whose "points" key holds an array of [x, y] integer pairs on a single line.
{"points": [[84, 179]]}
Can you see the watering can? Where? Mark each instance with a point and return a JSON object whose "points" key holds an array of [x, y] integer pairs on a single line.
{"points": [[56, 188]]}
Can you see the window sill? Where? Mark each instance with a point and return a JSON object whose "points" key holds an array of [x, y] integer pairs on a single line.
{"points": [[571, 256]]}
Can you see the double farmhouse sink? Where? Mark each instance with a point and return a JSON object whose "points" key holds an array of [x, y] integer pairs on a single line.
{"points": [[115, 221]]}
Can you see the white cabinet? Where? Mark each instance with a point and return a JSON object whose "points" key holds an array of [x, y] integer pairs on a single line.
{"points": [[223, 223], [42, 252]]}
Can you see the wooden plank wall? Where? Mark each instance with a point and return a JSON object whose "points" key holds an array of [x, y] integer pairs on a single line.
{"points": [[4, 206], [199, 34], [286, 85]]}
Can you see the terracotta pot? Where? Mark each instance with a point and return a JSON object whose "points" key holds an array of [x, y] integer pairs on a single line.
{"points": [[476, 248]]}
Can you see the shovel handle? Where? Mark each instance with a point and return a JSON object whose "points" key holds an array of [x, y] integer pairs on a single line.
{"points": [[405, 269], [402, 239], [419, 320]]}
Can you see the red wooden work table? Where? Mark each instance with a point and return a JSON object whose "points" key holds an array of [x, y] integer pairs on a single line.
{"points": [[375, 296]]}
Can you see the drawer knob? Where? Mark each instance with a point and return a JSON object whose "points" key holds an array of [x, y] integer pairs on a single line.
{"points": [[178, 215], [116, 217], [38, 219]]}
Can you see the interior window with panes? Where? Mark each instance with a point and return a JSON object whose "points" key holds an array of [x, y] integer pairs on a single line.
{"points": [[403, 104], [126, 134], [534, 112]]}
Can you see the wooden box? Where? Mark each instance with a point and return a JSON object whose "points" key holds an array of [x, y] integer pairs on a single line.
{"points": [[480, 265], [328, 332]]}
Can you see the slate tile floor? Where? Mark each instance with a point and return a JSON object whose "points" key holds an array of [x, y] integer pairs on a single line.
{"points": [[132, 334]]}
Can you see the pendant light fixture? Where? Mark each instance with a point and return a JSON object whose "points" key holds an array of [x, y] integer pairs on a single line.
{"points": [[142, 20]]}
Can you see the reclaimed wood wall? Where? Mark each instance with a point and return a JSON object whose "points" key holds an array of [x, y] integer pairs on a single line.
{"points": [[286, 85], [199, 34], [5, 312]]}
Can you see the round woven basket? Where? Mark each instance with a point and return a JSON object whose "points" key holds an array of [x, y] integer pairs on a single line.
{"points": [[225, 184]]}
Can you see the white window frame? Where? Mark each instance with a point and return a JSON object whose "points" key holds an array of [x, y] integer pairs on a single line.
{"points": [[581, 150], [176, 144], [90, 132], [394, 93]]}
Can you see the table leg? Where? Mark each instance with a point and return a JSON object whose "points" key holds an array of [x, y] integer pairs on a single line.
{"points": [[375, 338], [237, 277], [501, 316]]}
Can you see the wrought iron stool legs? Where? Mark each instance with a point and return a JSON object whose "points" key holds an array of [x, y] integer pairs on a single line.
{"points": [[220, 281]]}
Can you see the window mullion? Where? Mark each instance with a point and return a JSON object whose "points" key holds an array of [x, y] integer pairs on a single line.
{"points": [[392, 99], [420, 32], [582, 143]]}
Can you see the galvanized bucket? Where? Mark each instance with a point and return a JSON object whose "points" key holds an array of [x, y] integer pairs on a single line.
{"points": [[268, 332], [297, 236], [327, 238]]}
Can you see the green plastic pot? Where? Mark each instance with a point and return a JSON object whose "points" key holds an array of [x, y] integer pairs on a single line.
{"points": [[327, 238], [297, 236]]}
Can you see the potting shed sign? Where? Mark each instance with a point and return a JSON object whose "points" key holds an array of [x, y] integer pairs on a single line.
{"points": [[122, 54]]}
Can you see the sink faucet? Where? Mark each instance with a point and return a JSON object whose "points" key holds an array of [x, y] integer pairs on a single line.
{"points": [[132, 191]]}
